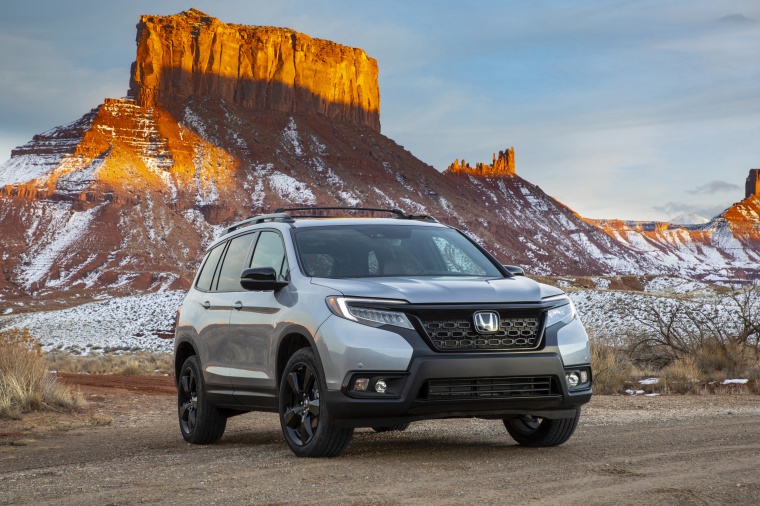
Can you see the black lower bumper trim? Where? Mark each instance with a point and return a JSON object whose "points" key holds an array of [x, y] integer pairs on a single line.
{"points": [[504, 395]]}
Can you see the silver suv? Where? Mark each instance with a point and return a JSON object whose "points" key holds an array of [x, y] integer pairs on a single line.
{"points": [[372, 322]]}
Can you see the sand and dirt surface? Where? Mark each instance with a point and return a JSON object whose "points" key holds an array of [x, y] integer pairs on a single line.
{"points": [[125, 448]]}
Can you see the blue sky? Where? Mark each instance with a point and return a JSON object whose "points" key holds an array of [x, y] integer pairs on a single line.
{"points": [[619, 109]]}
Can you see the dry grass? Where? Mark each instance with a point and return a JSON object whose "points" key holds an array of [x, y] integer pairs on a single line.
{"points": [[25, 383], [141, 363], [682, 376], [611, 371]]}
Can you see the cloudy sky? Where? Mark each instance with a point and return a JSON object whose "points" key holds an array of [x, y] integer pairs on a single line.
{"points": [[619, 109]]}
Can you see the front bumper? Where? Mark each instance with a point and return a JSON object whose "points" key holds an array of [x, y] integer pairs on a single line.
{"points": [[411, 402]]}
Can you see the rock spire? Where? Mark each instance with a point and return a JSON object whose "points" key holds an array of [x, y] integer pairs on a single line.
{"points": [[752, 186], [503, 165]]}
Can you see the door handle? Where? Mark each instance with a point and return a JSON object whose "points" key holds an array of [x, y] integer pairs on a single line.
{"points": [[237, 305], [206, 304]]}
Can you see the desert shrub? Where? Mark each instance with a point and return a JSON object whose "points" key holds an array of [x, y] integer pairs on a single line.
{"points": [[132, 368], [131, 364], [682, 376], [611, 370], [729, 360], [721, 334], [25, 383]]}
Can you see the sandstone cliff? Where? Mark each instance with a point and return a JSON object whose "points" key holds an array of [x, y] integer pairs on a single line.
{"points": [[258, 68], [502, 165]]}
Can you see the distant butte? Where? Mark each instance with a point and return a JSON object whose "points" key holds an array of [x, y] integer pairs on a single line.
{"points": [[259, 68], [503, 165]]}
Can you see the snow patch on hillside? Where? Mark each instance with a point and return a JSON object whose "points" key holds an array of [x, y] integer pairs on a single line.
{"points": [[291, 189], [196, 123], [56, 145], [391, 203], [337, 183], [68, 228], [414, 207], [291, 136]]}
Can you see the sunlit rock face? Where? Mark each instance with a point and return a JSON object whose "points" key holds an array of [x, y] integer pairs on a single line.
{"points": [[259, 68], [503, 165]]}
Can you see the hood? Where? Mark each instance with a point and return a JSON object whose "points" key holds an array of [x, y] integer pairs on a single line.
{"points": [[443, 290]]}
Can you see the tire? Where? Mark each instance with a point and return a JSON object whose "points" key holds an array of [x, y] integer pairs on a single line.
{"points": [[389, 428], [541, 432], [306, 423], [200, 422]]}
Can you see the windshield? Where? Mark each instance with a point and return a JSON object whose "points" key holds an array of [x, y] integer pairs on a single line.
{"points": [[351, 251]]}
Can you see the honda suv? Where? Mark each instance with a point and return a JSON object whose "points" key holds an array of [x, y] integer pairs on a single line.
{"points": [[372, 322]]}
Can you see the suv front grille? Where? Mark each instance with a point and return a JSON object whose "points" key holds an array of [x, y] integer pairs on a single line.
{"points": [[485, 388], [460, 335]]}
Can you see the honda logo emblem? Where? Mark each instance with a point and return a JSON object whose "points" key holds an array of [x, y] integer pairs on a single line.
{"points": [[486, 322]]}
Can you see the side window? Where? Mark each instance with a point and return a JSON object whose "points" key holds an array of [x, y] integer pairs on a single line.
{"points": [[234, 263], [209, 268], [270, 252]]}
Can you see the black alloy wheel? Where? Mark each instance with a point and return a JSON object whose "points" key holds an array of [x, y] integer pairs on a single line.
{"points": [[200, 422], [188, 401], [301, 415], [309, 429]]}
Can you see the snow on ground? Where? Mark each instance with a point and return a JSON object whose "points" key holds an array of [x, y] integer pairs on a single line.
{"points": [[121, 324], [738, 381], [612, 315], [672, 284]]}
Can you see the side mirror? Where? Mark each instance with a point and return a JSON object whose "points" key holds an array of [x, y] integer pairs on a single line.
{"points": [[515, 270], [260, 279]]}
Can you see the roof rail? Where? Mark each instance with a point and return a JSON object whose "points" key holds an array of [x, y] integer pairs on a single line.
{"points": [[254, 220], [397, 212], [282, 215]]}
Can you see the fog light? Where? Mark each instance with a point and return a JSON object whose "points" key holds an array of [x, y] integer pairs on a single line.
{"points": [[380, 386], [572, 379], [584, 376], [361, 383]]}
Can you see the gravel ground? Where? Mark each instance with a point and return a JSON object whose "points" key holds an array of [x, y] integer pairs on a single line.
{"points": [[126, 449]]}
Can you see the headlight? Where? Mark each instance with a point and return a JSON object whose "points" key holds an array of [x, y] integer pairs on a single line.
{"points": [[349, 309], [564, 313]]}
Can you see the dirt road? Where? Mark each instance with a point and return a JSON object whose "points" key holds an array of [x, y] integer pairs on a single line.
{"points": [[126, 449]]}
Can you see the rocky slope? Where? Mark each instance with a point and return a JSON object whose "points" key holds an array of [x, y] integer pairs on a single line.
{"points": [[726, 249], [226, 121]]}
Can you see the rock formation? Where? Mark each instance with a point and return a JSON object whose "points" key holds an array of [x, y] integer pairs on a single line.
{"points": [[502, 165], [259, 68], [752, 186]]}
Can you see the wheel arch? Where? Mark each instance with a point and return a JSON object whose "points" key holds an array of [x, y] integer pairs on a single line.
{"points": [[183, 351], [293, 339]]}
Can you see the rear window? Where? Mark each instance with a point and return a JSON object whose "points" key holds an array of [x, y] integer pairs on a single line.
{"points": [[350, 251], [209, 268]]}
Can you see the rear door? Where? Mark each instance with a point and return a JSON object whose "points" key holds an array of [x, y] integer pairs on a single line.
{"points": [[218, 303], [210, 316], [252, 325]]}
